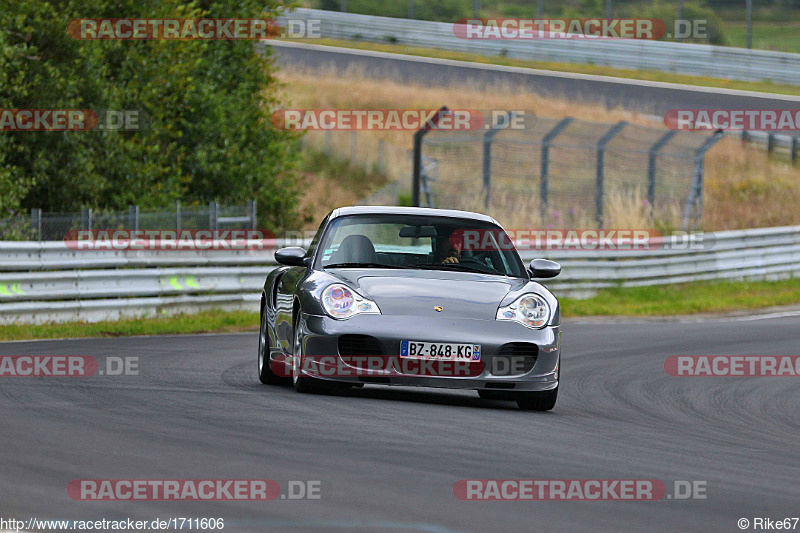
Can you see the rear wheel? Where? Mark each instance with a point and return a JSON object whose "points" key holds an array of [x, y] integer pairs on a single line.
{"points": [[537, 401], [265, 373]]}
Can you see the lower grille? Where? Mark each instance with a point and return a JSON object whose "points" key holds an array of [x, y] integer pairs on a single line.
{"points": [[514, 359], [359, 345]]}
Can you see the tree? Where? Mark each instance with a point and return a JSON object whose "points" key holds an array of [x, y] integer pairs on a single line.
{"points": [[207, 103]]}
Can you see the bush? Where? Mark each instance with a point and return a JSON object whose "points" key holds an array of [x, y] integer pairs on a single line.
{"points": [[691, 11]]}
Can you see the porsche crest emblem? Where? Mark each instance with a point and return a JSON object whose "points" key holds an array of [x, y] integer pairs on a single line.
{"points": [[438, 308]]}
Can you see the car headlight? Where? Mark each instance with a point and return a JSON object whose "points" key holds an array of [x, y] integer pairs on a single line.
{"points": [[340, 301], [530, 310]]}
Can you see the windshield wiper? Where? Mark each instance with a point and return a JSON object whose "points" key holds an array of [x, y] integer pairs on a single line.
{"points": [[361, 265], [454, 266]]}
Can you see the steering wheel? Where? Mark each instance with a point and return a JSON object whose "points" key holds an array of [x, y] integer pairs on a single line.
{"points": [[479, 257]]}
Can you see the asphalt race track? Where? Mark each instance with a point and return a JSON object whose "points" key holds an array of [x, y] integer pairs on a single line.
{"points": [[635, 95], [388, 458]]}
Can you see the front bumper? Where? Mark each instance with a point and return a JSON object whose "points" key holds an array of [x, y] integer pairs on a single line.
{"points": [[321, 336]]}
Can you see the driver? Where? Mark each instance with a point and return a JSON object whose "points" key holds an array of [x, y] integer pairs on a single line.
{"points": [[450, 249]]}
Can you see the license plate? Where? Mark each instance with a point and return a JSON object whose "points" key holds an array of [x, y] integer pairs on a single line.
{"points": [[440, 350]]}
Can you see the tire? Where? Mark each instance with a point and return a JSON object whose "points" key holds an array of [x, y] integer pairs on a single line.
{"points": [[265, 373], [302, 384], [537, 401], [496, 395]]}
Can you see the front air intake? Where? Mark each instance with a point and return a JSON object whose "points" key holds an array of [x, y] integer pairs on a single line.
{"points": [[359, 345], [515, 359]]}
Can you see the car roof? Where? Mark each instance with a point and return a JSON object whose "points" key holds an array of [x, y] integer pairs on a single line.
{"points": [[420, 211]]}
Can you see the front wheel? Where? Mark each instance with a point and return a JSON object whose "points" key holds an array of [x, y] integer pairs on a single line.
{"points": [[308, 384], [305, 384], [265, 373], [537, 401]]}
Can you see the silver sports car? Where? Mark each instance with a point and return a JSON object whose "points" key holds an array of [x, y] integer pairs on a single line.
{"points": [[413, 297]]}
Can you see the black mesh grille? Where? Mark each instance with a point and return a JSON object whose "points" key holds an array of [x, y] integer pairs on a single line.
{"points": [[359, 345], [514, 358]]}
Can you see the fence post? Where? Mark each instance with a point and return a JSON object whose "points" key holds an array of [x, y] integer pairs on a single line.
{"points": [[381, 156], [86, 218], [411, 9], [600, 181], [251, 212], [425, 179], [651, 165], [133, 217], [213, 215], [178, 216], [770, 142], [794, 148], [547, 140], [488, 138], [418, 135], [36, 222], [695, 197], [487, 166], [353, 147]]}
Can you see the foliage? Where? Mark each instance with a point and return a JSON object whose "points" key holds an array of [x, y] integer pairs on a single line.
{"points": [[209, 137]]}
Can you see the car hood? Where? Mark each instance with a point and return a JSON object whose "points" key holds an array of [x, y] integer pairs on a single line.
{"points": [[419, 292]]}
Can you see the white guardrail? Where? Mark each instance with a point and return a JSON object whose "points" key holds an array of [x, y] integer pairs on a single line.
{"points": [[681, 58], [48, 282]]}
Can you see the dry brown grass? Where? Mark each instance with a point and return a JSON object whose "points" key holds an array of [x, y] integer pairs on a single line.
{"points": [[747, 188], [744, 187], [321, 196]]}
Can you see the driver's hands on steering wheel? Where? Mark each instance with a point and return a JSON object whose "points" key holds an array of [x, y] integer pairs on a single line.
{"points": [[450, 260]]}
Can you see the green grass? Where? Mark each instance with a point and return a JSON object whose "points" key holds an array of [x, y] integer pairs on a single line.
{"points": [[206, 322], [704, 81], [778, 36], [686, 299], [671, 300]]}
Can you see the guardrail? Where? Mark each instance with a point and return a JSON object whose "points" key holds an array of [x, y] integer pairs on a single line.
{"points": [[48, 281], [51, 281], [681, 58]]}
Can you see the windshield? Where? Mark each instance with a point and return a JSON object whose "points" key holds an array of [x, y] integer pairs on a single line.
{"points": [[419, 242]]}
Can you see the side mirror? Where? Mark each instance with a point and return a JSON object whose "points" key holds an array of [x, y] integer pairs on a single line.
{"points": [[544, 268], [291, 256]]}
